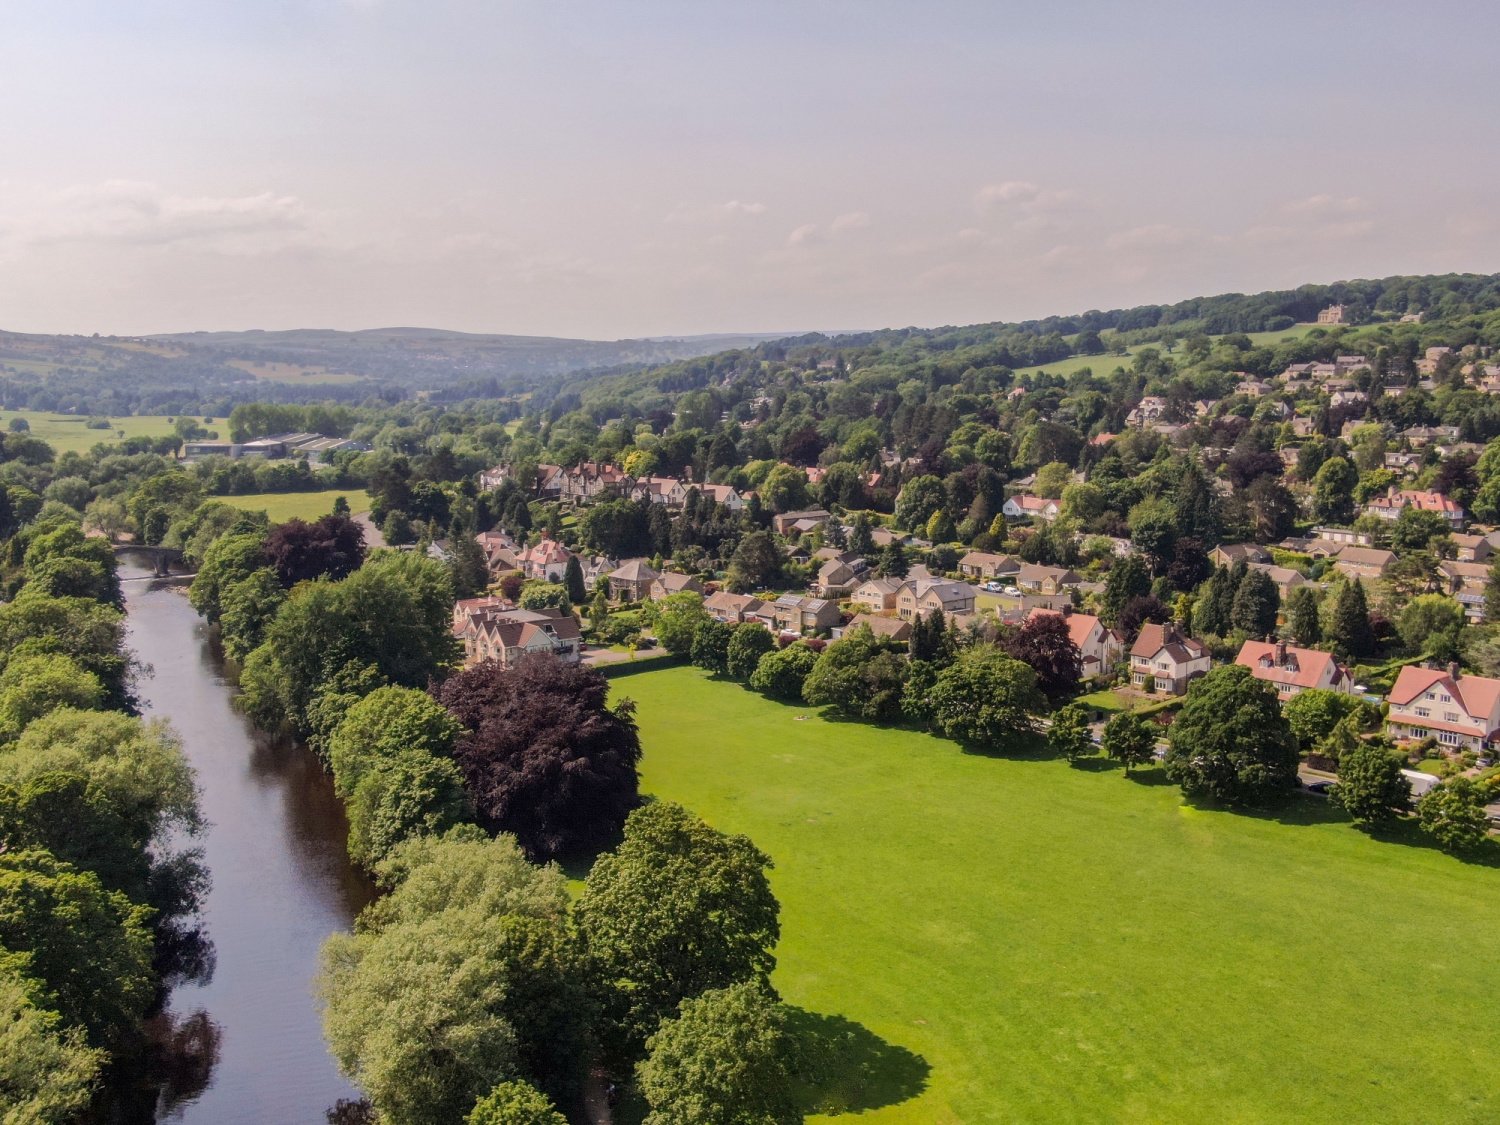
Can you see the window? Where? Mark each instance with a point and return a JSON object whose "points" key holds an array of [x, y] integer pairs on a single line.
{"points": [[1423, 712], [1138, 679], [1451, 716], [1450, 737]]}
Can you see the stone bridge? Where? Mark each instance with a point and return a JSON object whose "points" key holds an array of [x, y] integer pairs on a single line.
{"points": [[161, 558]]}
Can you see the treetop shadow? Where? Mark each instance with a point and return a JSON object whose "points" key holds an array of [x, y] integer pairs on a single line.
{"points": [[840, 1066]]}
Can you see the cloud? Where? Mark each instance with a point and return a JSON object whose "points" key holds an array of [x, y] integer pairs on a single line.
{"points": [[1153, 236], [805, 235], [1322, 205], [1020, 195], [1314, 218], [695, 214], [852, 220], [143, 214], [737, 207]]}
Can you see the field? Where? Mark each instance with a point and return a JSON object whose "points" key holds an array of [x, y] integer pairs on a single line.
{"points": [[1104, 364], [67, 432], [278, 372], [303, 505], [1063, 944]]}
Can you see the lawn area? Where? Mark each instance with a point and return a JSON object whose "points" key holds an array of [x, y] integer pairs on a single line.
{"points": [[303, 505], [1063, 944], [67, 432]]}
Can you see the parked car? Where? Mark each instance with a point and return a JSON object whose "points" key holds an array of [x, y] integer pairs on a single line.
{"points": [[1320, 786], [1012, 591], [992, 587]]}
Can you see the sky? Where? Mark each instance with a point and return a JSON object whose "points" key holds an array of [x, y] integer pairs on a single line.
{"points": [[671, 167]]}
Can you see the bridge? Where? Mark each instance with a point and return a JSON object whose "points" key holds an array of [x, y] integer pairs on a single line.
{"points": [[161, 558]]}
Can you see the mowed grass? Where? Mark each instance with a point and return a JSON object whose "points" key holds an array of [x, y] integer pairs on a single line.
{"points": [[281, 506], [1063, 944], [68, 433]]}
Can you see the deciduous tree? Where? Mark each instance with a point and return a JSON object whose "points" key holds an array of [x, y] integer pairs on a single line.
{"points": [[1231, 742]]}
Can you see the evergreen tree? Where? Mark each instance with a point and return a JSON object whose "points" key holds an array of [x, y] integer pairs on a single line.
{"points": [[1350, 631], [893, 561], [1128, 579], [573, 580], [1255, 605], [1196, 508], [860, 541], [1302, 616]]}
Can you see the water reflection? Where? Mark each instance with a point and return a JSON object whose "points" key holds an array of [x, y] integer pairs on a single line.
{"points": [[239, 1038]]}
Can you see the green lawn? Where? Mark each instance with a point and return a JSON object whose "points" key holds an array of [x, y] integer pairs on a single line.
{"points": [[1063, 944], [304, 505], [67, 432]]}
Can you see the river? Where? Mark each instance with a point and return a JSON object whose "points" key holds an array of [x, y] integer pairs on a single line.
{"points": [[281, 881]]}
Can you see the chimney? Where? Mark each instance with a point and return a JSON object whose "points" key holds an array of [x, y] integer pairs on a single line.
{"points": [[1453, 670], [1067, 611], [1280, 652]]}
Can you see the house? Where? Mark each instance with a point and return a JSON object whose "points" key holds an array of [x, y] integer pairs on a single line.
{"points": [[799, 523], [505, 635], [1363, 562], [1397, 500], [632, 581], [1099, 646], [1334, 314], [793, 613], [1348, 363], [547, 558], [666, 584], [838, 577], [1285, 577], [1292, 670], [1227, 554], [919, 597], [876, 594], [1346, 396], [983, 564], [1342, 537], [1035, 507], [884, 628], [1252, 388], [1165, 659], [1296, 374], [499, 552], [1147, 412], [1472, 548], [727, 495], [667, 491], [1419, 436], [1033, 578], [732, 609], [1461, 712]]}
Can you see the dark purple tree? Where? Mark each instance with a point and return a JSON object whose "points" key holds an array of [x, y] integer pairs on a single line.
{"points": [[1139, 610], [1045, 643], [300, 551], [543, 756]]}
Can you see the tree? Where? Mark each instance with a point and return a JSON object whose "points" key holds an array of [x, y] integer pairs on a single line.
{"points": [[468, 567], [677, 619], [859, 677], [1302, 616], [386, 723], [756, 563], [33, 686], [1350, 632], [1046, 644], [750, 642], [723, 1058], [1256, 604], [1139, 611], [1414, 529], [1313, 713], [515, 1103], [1130, 740], [462, 978], [782, 672], [410, 794], [784, 489], [396, 529], [711, 641], [893, 561], [920, 498], [1052, 478], [1371, 787], [1230, 742], [1069, 734], [90, 947], [229, 559], [931, 640], [1426, 617], [1128, 578], [676, 910], [986, 698], [1333, 491], [47, 1073], [1195, 507], [1453, 815], [542, 755], [573, 581], [89, 632], [248, 607], [299, 551]]}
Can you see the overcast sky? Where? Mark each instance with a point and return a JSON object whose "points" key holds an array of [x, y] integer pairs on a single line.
{"points": [[646, 167]]}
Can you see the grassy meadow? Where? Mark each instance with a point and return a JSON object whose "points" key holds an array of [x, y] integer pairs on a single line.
{"points": [[68, 433], [302, 505], [1021, 940]]}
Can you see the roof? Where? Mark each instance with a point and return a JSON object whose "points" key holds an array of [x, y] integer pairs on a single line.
{"points": [[739, 603], [636, 570], [1081, 626], [1154, 639], [1366, 556], [1035, 572], [545, 552], [881, 626], [880, 585], [985, 558], [1281, 575], [1423, 500], [1298, 667], [676, 583], [945, 589], [1243, 552], [1029, 503], [1477, 695]]}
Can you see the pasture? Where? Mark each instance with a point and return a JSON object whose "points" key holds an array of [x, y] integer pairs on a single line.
{"points": [[1021, 940], [281, 506]]}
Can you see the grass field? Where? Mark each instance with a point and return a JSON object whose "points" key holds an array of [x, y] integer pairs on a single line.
{"points": [[303, 505], [67, 432], [1063, 944], [1104, 364]]}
